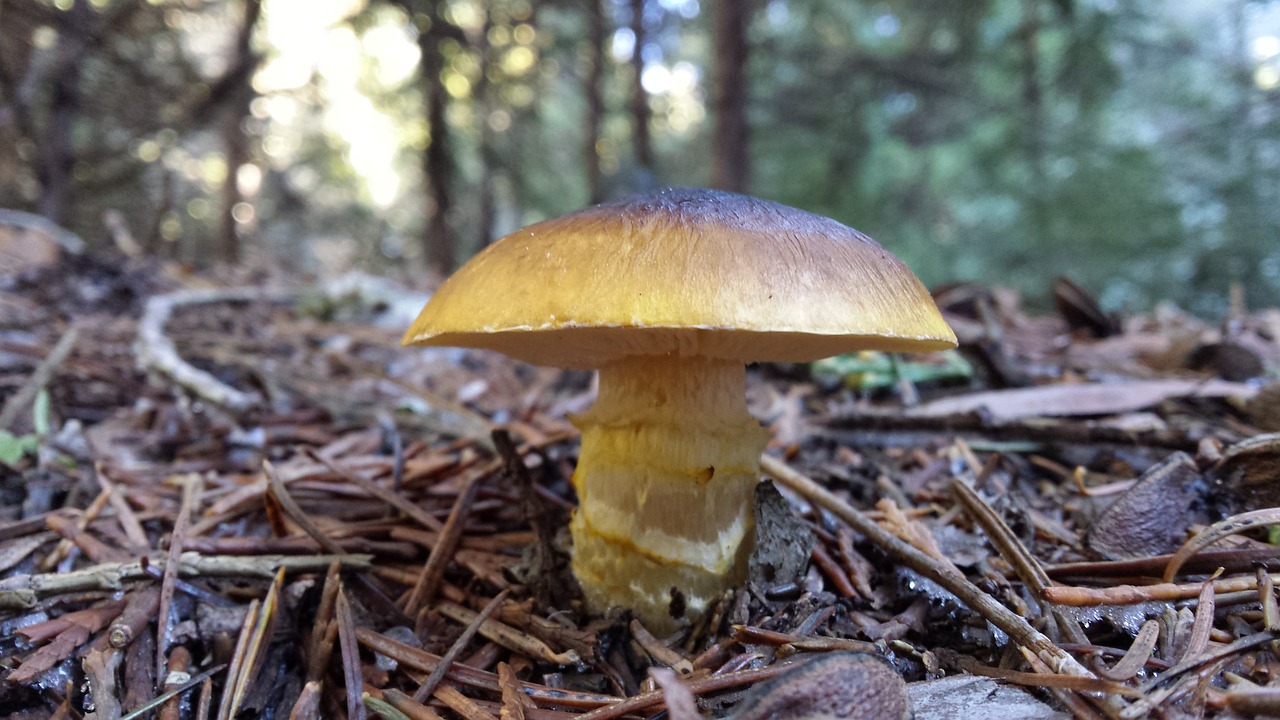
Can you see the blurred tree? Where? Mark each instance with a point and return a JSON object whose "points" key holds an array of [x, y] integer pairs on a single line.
{"points": [[58, 154], [730, 155], [435, 31], [485, 107], [110, 108], [594, 91], [641, 140], [237, 88], [1033, 114]]}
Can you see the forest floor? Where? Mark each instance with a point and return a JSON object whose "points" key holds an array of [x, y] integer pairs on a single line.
{"points": [[238, 498]]}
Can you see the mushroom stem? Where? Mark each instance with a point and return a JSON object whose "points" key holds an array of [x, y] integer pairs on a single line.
{"points": [[669, 462]]}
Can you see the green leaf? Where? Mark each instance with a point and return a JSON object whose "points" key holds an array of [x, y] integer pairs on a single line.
{"points": [[40, 413], [13, 448]]}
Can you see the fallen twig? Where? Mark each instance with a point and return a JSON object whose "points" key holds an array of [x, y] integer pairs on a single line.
{"points": [[43, 373], [350, 652], [21, 592], [507, 636], [429, 580], [1132, 595], [1217, 531], [428, 686], [156, 352], [192, 484]]}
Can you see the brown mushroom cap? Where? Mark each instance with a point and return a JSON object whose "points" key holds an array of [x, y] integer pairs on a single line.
{"points": [[686, 272]]}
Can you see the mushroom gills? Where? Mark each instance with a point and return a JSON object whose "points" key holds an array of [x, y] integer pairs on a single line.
{"points": [[665, 476]]}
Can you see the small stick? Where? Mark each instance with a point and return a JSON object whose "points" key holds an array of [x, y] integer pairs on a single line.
{"points": [[658, 651], [751, 634], [251, 647], [205, 677], [461, 704], [857, 568], [307, 706], [192, 485], [41, 377], [135, 618], [433, 572], [1203, 624], [352, 677], [1133, 595], [1267, 596], [1007, 545], [407, 705], [238, 659], [1217, 531], [1252, 701], [1076, 704], [512, 695], [1136, 657], [155, 351], [64, 545], [91, 546], [176, 676], [507, 636], [424, 661], [133, 531], [320, 648], [205, 700], [1048, 679], [390, 497], [22, 592], [296, 513], [1217, 653], [833, 571], [429, 685], [1237, 560]]}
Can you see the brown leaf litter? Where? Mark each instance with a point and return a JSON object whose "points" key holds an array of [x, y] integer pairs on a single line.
{"points": [[241, 508]]}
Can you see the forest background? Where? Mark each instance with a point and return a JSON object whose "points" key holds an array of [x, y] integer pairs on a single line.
{"points": [[1130, 145]]}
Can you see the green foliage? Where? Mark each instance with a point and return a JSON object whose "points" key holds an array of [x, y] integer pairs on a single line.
{"points": [[873, 370], [13, 448], [1131, 145]]}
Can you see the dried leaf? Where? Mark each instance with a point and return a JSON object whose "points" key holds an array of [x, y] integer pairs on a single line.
{"points": [[836, 686], [1152, 517], [1076, 400]]}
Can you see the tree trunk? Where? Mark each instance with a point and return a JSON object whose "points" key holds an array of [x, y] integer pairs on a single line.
{"points": [[730, 148], [56, 170], [1033, 118], [441, 251], [642, 143], [235, 139], [488, 155], [595, 100]]}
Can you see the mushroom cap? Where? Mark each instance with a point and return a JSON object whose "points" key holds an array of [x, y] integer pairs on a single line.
{"points": [[686, 272]]}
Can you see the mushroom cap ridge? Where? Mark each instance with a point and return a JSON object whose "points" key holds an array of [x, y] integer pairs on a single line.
{"points": [[686, 272]]}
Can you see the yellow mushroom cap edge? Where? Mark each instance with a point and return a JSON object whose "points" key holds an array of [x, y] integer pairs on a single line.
{"points": [[688, 272]]}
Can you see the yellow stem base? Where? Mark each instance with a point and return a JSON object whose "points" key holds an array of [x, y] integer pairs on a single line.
{"points": [[665, 477]]}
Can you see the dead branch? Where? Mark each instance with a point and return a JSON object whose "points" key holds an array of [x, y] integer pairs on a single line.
{"points": [[22, 592], [156, 352]]}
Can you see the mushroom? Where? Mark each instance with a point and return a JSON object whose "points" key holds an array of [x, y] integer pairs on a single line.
{"points": [[668, 296]]}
